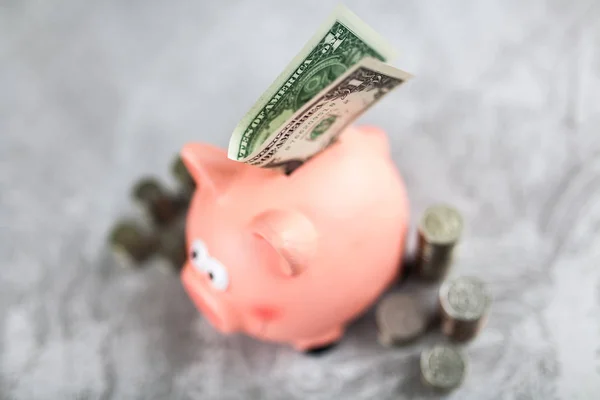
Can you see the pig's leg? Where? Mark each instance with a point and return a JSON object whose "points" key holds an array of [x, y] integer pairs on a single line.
{"points": [[324, 340]]}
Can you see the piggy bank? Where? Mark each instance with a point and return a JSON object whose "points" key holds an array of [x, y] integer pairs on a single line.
{"points": [[294, 258]]}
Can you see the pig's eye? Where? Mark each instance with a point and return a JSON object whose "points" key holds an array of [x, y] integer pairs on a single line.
{"points": [[216, 273], [198, 254]]}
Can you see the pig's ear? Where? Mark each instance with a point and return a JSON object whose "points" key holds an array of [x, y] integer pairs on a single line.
{"points": [[291, 234], [209, 166]]}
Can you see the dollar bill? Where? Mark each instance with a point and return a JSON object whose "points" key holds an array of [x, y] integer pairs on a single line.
{"points": [[314, 126], [341, 42]]}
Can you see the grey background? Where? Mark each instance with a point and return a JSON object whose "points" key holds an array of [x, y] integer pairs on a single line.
{"points": [[502, 120]]}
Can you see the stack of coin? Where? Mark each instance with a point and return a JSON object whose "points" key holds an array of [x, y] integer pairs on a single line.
{"points": [[443, 367], [130, 244], [439, 232], [172, 246], [464, 305], [183, 177], [161, 207], [166, 213], [400, 319]]}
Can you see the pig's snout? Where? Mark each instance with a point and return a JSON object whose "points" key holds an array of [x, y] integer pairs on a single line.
{"points": [[208, 303]]}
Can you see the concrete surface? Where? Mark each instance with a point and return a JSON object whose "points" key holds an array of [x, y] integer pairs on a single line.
{"points": [[502, 120]]}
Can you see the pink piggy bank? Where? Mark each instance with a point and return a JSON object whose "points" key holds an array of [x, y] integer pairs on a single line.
{"points": [[293, 259]]}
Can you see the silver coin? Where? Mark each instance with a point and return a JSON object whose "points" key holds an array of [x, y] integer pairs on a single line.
{"points": [[439, 231], [400, 318], [172, 246], [441, 224], [165, 210], [130, 244], [147, 191], [433, 263], [443, 367], [465, 298], [183, 177], [160, 207]]}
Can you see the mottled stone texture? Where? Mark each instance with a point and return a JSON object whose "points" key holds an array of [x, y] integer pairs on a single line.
{"points": [[502, 120]]}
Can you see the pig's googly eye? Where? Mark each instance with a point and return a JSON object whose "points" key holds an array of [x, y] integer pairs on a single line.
{"points": [[217, 274], [198, 253]]}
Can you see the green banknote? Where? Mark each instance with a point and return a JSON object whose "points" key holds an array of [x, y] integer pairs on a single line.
{"points": [[339, 44], [316, 124]]}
